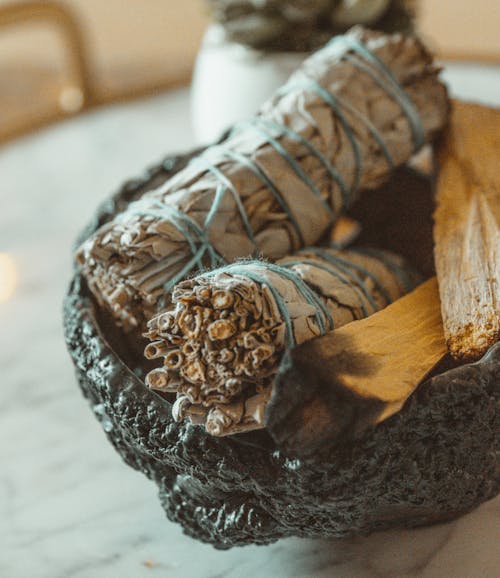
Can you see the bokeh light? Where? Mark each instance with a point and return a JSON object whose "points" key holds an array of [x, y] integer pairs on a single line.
{"points": [[8, 277]]}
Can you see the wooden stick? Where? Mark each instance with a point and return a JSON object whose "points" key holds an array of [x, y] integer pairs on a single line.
{"points": [[466, 232], [338, 385]]}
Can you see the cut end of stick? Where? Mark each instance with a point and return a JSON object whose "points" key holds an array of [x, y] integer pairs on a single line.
{"points": [[467, 231], [471, 343]]}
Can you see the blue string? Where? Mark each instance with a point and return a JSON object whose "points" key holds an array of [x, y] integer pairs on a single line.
{"points": [[197, 237], [350, 270], [376, 281], [391, 264], [260, 125], [372, 129], [333, 103], [391, 85], [159, 210], [229, 185], [241, 268], [236, 269], [244, 160], [329, 269], [292, 134], [347, 267], [311, 297]]}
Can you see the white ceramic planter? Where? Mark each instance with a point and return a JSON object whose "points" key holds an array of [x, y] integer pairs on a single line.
{"points": [[231, 81]]}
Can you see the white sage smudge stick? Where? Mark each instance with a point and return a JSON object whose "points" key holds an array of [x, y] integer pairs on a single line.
{"points": [[354, 110], [223, 339]]}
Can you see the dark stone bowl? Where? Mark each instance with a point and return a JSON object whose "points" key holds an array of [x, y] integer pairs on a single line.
{"points": [[431, 462]]}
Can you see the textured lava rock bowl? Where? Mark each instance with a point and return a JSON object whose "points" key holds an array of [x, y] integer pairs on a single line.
{"points": [[431, 462]]}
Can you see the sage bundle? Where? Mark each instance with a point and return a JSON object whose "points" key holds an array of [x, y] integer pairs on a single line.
{"points": [[223, 339], [356, 109]]}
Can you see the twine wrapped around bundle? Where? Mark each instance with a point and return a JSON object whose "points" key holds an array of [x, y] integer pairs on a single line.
{"points": [[223, 340], [357, 108]]}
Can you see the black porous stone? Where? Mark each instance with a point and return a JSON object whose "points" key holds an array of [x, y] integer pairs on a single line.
{"points": [[431, 462]]}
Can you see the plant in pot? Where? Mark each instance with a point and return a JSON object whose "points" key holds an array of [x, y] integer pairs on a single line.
{"points": [[254, 46]]}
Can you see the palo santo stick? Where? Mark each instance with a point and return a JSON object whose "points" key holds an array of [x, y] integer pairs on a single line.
{"points": [[466, 232], [340, 384]]}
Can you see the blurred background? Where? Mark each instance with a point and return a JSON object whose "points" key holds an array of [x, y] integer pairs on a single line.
{"points": [[91, 93], [129, 49]]}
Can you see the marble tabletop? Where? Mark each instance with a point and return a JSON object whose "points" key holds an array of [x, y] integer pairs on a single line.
{"points": [[69, 506]]}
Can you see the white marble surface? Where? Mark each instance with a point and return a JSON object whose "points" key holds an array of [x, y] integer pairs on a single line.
{"points": [[68, 506]]}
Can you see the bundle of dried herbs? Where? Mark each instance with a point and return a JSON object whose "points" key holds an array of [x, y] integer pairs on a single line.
{"points": [[303, 25], [357, 108], [223, 340]]}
